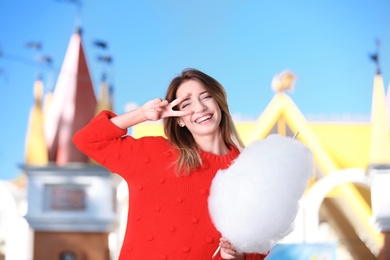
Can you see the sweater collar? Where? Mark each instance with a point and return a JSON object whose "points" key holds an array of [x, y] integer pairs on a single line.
{"points": [[226, 158]]}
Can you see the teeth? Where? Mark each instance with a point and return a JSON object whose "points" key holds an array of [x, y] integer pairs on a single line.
{"points": [[203, 119]]}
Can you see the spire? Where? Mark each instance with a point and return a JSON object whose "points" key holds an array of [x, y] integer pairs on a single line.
{"points": [[104, 103], [388, 102], [73, 105], [380, 138], [105, 97], [47, 101], [35, 149], [375, 57]]}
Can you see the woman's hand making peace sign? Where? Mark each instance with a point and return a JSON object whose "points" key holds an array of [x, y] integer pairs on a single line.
{"points": [[158, 109]]}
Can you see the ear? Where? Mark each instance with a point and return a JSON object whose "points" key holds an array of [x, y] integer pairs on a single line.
{"points": [[180, 122]]}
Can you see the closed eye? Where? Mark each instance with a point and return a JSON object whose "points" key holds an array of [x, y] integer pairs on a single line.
{"points": [[205, 95], [184, 105]]}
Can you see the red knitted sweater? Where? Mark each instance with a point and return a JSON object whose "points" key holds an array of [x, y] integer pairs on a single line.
{"points": [[168, 215]]}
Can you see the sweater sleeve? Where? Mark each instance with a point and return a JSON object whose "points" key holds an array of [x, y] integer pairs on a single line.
{"points": [[105, 142]]}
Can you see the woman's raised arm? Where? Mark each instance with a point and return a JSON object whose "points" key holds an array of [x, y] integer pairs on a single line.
{"points": [[152, 110]]}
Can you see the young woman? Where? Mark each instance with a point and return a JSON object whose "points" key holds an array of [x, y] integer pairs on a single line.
{"points": [[169, 178]]}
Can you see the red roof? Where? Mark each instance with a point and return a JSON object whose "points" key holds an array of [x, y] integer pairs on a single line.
{"points": [[73, 105]]}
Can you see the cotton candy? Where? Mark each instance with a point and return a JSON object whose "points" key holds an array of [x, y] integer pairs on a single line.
{"points": [[254, 202]]}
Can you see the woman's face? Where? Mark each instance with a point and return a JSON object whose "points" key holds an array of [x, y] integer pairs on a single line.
{"points": [[206, 116]]}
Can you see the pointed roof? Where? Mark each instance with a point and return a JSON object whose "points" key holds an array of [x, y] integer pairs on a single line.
{"points": [[105, 101], [47, 101], [388, 102], [73, 105], [35, 147], [380, 138], [282, 107]]}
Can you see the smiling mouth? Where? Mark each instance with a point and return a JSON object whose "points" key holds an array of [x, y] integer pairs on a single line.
{"points": [[202, 119]]}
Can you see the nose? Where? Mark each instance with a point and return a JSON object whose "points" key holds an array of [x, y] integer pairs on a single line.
{"points": [[199, 106]]}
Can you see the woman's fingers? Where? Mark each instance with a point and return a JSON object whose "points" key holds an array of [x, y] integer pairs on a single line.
{"points": [[181, 113], [227, 249], [178, 100], [167, 109], [226, 245], [158, 104], [168, 112]]}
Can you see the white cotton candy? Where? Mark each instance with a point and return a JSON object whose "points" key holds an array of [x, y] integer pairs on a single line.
{"points": [[254, 202]]}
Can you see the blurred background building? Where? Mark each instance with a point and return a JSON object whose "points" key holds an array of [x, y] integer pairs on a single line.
{"points": [[65, 206]]}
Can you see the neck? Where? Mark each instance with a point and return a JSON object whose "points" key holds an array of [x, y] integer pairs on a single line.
{"points": [[212, 144]]}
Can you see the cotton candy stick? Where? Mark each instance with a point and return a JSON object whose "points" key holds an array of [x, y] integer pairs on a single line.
{"points": [[216, 252]]}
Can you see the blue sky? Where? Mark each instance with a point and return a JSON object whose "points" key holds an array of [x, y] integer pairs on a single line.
{"points": [[243, 44]]}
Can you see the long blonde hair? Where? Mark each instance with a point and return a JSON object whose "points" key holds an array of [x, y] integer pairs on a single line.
{"points": [[181, 138]]}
